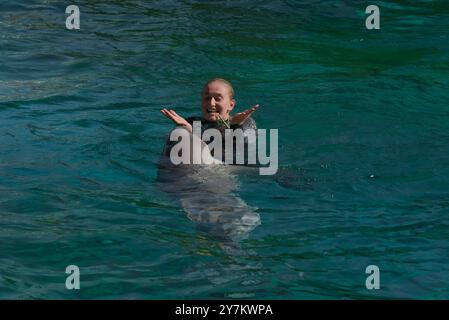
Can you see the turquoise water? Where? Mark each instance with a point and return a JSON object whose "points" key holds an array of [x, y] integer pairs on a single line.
{"points": [[363, 148]]}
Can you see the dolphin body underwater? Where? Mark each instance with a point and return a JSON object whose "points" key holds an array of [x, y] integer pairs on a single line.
{"points": [[207, 193]]}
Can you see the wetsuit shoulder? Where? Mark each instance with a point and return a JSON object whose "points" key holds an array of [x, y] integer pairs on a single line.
{"points": [[194, 118], [248, 124]]}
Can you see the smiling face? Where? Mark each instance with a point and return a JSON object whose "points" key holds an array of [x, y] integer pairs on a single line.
{"points": [[217, 101]]}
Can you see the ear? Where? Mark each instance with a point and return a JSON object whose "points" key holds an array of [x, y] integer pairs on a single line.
{"points": [[232, 105]]}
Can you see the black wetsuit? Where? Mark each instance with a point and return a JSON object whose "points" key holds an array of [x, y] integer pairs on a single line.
{"points": [[248, 124]]}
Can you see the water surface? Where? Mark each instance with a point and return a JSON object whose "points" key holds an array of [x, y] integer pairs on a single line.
{"points": [[363, 148]]}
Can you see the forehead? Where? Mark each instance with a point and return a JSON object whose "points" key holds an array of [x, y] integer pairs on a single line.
{"points": [[216, 87]]}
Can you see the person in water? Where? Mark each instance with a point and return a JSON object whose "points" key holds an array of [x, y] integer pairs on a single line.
{"points": [[216, 105], [208, 193]]}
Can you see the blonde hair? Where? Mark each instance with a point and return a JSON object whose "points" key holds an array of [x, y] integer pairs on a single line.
{"points": [[231, 89]]}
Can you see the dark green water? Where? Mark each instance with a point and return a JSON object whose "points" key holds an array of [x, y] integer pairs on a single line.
{"points": [[363, 148]]}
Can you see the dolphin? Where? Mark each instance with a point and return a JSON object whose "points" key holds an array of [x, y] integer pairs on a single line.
{"points": [[208, 195]]}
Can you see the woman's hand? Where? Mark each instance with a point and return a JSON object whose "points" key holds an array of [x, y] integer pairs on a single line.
{"points": [[241, 117], [177, 119]]}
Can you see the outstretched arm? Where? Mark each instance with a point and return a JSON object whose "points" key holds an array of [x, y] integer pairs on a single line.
{"points": [[241, 117], [177, 119]]}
